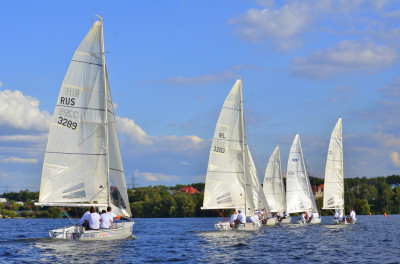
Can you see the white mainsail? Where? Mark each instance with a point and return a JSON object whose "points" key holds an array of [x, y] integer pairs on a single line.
{"points": [[273, 185], [228, 165], [334, 178], [83, 151], [299, 196]]}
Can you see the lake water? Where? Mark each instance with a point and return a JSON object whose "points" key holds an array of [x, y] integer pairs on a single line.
{"points": [[374, 239]]}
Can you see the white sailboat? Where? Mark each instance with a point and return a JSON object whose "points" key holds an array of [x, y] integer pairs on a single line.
{"points": [[82, 165], [299, 196], [260, 201], [228, 180], [334, 176], [273, 186]]}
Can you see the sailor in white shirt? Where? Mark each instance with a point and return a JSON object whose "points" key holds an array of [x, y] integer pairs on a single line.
{"points": [[352, 214], [303, 217], [337, 215], [233, 218], [254, 218], [85, 220], [94, 219], [112, 215], [242, 217], [314, 215], [106, 220]]}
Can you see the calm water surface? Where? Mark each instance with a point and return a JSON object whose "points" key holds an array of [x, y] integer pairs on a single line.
{"points": [[374, 239]]}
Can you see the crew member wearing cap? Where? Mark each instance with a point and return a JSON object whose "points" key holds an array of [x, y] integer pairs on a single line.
{"points": [[242, 217]]}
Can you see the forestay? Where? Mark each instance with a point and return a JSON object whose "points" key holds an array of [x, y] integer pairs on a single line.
{"points": [[225, 182], [334, 177], [299, 196], [273, 185]]}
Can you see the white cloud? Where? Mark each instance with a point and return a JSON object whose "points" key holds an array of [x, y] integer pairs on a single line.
{"points": [[281, 25], [1, 84], [137, 136], [211, 78], [346, 56], [156, 176], [17, 160], [135, 133], [394, 157], [22, 112], [185, 163]]}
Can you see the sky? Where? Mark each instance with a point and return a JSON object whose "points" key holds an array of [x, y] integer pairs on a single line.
{"points": [[171, 65]]}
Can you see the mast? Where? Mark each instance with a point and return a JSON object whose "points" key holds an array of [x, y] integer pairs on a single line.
{"points": [[244, 151], [105, 111]]}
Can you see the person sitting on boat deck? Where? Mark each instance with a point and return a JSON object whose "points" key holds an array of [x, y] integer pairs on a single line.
{"points": [[84, 222], [314, 215], [352, 215], [253, 219], [112, 215], [233, 218], [278, 216], [260, 214], [337, 215], [303, 217], [306, 216], [106, 220], [241, 217], [94, 219]]}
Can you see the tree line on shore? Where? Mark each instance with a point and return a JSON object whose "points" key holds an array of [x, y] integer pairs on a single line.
{"points": [[366, 195]]}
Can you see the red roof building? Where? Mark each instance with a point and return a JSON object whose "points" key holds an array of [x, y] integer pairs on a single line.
{"points": [[189, 189]]}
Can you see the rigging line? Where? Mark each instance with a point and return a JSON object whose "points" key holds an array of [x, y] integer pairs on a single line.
{"points": [[88, 63]]}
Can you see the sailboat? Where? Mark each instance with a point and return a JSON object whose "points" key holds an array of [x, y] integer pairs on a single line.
{"points": [[299, 196], [228, 180], [334, 176], [82, 165], [273, 186], [260, 201]]}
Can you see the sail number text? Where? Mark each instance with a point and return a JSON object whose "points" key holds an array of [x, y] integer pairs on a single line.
{"points": [[219, 149], [68, 113], [67, 123]]}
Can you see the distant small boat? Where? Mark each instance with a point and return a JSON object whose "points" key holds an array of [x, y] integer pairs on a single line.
{"points": [[82, 165], [274, 188], [334, 177], [299, 195], [229, 180]]}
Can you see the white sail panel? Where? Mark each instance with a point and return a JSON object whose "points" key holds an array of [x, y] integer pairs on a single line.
{"points": [[260, 202], [118, 190], [273, 185], [299, 197], [334, 177], [225, 184], [74, 168]]}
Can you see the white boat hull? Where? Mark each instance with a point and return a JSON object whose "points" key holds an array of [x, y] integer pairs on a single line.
{"points": [[122, 230], [224, 226], [312, 222], [286, 220], [271, 222], [344, 222]]}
